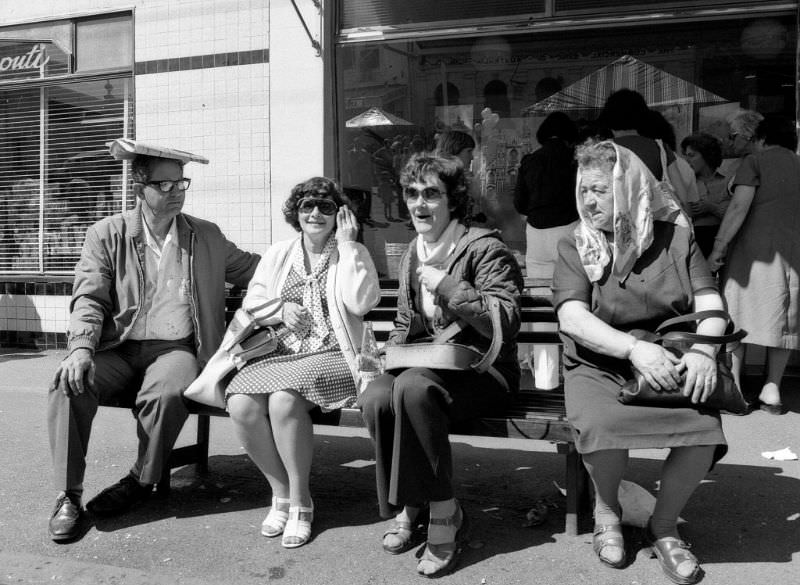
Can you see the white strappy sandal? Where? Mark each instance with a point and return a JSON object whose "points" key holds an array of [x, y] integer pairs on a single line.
{"points": [[298, 527], [275, 522]]}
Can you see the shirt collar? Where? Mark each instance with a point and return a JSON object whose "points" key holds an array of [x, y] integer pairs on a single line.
{"points": [[171, 239]]}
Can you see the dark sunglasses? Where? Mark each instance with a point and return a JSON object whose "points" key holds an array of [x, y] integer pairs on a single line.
{"points": [[167, 186], [325, 206], [429, 195]]}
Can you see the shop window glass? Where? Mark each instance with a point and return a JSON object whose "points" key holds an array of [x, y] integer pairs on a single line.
{"points": [[56, 177], [695, 73], [20, 200], [35, 52], [104, 43]]}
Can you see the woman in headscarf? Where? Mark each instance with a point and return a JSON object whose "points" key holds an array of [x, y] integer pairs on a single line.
{"points": [[632, 264]]}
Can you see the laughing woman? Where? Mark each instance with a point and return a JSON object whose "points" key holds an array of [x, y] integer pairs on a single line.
{"points": [[319, 286], [450, 273]]}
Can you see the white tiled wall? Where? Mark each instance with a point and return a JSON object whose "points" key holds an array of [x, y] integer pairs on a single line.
{"points": [[220, 113], [260, 124], [34, 313]]}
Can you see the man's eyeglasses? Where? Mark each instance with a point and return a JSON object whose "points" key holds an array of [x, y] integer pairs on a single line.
{"points": [[325, 206], [167, 186], [429, 194], [732, 136]]}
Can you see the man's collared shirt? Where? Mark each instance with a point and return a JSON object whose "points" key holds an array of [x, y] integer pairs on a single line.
{"points": [[165, 313]]}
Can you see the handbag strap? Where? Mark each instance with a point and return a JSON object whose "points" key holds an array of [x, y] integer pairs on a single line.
{"points": [[729, 336], [497, 337], [690, 317], [488, 358]]}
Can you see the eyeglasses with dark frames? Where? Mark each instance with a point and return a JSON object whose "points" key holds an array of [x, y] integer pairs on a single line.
{"points": [[325, 206], [168, 186], [429, 194]]}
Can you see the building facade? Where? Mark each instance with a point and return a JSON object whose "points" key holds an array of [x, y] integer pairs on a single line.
{"points": [[275, 92]]}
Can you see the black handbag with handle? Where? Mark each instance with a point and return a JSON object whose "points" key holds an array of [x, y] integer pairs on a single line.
{"points": [[442, 354], [726, 394]]}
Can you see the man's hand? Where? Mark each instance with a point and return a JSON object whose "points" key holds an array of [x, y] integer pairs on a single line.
{"points": [[75, 373]]}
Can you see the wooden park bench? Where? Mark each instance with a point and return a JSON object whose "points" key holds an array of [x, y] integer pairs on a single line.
{"points": [[533, 414]]}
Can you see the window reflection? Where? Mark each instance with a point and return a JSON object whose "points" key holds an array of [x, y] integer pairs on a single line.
{"points": [[499, 89]]}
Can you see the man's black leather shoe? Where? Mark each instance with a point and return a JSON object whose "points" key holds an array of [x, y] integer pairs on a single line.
{"points": [[120, 497], [66, 518]]}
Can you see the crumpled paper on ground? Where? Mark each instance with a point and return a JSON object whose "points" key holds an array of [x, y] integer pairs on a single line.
{"points": [[784, 454]]}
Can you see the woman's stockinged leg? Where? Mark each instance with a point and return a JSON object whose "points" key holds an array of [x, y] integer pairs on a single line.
{"points": [[252, 426], [293, 432], [737, 364], [683, 470], [777, 358], [606, 469]]}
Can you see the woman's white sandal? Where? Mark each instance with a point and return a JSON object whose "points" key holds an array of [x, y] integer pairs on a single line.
{"points": [[298, 527], [275, 522]]}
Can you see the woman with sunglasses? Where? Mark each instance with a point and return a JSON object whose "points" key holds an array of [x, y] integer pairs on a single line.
{"points": [[450, 274], [319, 286]]}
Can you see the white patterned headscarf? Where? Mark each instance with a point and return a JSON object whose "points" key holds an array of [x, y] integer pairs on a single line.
{"points": [[639, 200]]}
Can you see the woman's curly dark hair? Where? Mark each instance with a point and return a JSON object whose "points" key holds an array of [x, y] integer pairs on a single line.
{"points": [[707, 146], [448, 169], [318, 187]]}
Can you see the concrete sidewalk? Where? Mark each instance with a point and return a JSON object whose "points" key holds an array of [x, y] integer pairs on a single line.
{"points": [[743, 522]]}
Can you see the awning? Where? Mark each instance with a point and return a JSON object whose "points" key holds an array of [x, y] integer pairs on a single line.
{"points": [[376, 117], [656, 85]]}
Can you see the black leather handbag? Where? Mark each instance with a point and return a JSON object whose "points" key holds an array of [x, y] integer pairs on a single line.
{"points": [[725, 396]]}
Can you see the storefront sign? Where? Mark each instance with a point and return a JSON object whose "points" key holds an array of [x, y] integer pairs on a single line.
{"points": [[34, 59]]}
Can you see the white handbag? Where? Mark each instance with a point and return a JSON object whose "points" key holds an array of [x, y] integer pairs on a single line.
{"points": [[244, 340]]}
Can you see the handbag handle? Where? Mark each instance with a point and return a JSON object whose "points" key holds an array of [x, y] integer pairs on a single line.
{"points": [[730, 336], [497, 338], [488, 358]]}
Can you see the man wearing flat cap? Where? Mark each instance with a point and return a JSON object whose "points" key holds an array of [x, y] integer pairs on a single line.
{"points": [[147, 312]]}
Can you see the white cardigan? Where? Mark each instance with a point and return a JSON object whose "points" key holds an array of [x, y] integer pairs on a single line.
{"points": [[352, 290]]}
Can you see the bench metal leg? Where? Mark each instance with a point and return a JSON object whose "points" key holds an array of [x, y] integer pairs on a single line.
{"points": [[203, 434], [197, 454], [162, 487], [576, 489]]}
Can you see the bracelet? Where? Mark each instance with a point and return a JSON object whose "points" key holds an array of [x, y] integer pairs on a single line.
{"points": [[630, 348]]}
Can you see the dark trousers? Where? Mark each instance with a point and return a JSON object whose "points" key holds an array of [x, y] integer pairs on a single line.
{"points": [[409, 417], [150, 376]]}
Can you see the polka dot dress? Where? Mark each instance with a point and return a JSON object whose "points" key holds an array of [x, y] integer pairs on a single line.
{"points": [[316, 370]]}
